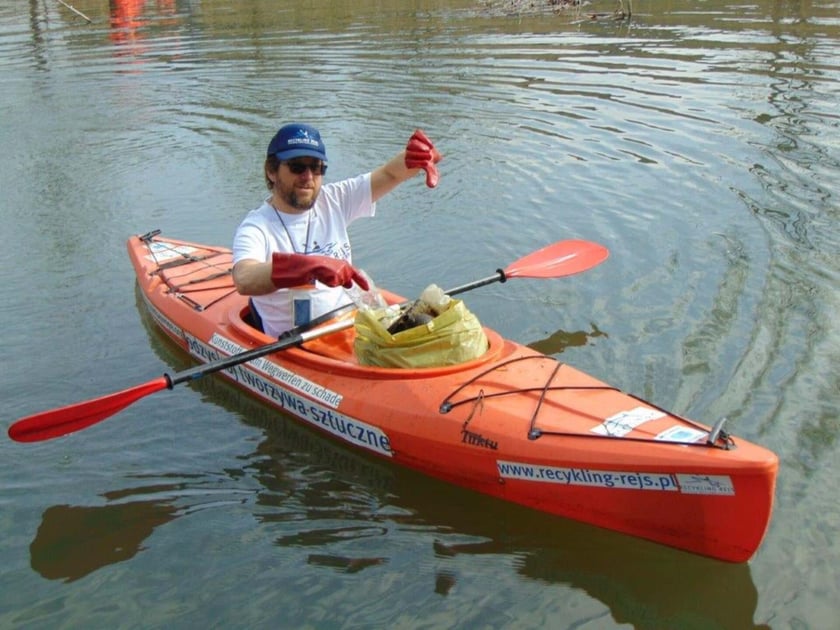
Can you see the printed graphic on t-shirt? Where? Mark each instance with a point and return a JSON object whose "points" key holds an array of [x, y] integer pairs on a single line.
{"points": [[333, 249]]}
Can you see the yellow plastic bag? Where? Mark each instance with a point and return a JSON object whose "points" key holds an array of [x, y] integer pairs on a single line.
{"points": [[453, 336]]}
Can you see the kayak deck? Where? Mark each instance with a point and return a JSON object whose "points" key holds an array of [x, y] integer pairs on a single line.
{"points": [[513, 423]]}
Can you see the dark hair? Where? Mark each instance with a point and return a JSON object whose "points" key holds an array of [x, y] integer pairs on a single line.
{"points": [[271, 166]]}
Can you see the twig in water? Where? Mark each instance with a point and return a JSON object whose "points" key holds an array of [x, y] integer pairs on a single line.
{"points": [[76, 11]]}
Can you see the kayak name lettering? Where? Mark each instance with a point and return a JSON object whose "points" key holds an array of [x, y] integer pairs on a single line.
{"points": [[476, 439], [586, 477], [295, 381]]}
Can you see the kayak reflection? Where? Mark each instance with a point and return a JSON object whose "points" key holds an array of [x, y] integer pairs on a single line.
{"points": [[343, 495], [129, 19]]}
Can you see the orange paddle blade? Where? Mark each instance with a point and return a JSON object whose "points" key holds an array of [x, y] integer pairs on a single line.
{"points": [[563, 258], [57, 422]]}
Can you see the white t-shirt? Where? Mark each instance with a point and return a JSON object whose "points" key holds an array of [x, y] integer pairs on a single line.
{"points": [[322, 230]]}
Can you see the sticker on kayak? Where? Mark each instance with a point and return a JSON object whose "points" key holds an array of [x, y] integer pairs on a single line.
{"points": [[303, 385], [624, 422], [619, 480], [706, 484], [686, 435], [161, 251]]}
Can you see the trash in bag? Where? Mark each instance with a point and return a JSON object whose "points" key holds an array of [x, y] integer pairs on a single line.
{"points": [[433, 331]]}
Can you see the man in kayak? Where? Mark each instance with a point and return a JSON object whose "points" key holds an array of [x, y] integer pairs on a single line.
{"points": [[298, 236]]}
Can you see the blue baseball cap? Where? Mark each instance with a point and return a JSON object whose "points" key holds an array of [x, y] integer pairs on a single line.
{"points": [[297, 140]]}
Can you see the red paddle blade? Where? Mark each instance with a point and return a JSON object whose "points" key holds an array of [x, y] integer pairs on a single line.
{"points": [[563, 258], [57, 422]]}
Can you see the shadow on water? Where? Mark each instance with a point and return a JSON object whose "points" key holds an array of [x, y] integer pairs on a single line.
{"points": [[332, 493], [558, 341], [74, 541]]}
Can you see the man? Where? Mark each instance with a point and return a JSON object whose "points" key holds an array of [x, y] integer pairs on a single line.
{"points": [[298, 236]]}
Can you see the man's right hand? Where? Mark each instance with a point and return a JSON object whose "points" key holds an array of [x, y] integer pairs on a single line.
{"points": [[294, 270]]}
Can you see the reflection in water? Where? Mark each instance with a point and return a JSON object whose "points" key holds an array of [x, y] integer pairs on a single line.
{"points": [[127, 20], [323, 494], [38, 45], [73, 541], [643, 584]]}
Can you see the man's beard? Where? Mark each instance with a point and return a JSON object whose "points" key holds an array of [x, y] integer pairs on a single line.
{"points": [[291, 198]]}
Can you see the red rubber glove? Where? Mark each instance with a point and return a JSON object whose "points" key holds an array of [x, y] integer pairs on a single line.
{"points": [[421, 153], [294, 270]]}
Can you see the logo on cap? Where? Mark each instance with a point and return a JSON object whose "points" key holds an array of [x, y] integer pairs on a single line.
{"points": [[303, 137], [297, 140]]}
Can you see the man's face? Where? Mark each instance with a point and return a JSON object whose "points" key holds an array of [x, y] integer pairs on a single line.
{"points": [[298, 182]]}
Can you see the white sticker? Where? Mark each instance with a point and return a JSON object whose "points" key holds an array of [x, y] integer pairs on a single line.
{"points": [[623, 422], [706, 484], [162, 251], [681, 434]]}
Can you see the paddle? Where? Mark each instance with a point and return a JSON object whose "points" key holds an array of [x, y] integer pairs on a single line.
{"points": [[563, 258]]}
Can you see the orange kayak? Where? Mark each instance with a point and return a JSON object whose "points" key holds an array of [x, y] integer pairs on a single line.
{"points": [[514, 423]]}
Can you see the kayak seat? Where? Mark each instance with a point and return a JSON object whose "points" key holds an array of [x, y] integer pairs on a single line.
{"points": [[337, 345]]}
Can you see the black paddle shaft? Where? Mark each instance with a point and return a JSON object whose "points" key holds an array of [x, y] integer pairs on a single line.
{"points": [[244, 357]]}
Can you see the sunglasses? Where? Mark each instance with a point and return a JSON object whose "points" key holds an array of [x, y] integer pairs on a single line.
{"points": [[299, 168]]}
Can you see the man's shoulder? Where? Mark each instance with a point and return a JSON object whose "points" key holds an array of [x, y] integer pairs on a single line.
{"points": [[258, 214], [255, 223], [340, 191]]}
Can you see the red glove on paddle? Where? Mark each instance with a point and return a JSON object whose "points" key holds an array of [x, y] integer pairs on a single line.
{"points": [[294, 270], [421, 153]]}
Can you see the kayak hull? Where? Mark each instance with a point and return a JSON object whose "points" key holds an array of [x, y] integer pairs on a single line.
{"points": [[513, 424]]}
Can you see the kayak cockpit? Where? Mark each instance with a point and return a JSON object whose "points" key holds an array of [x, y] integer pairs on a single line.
{"points": [[335, 352]]}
